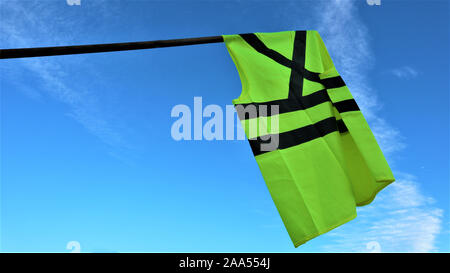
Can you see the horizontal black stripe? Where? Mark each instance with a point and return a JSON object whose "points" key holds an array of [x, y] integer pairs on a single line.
{"points": [[286, 105], [315, 98], [295, 137], [346, 106], [334, 82]]}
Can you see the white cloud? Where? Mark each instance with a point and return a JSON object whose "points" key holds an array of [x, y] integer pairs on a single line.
{"points": [[405, 72], [401, 218], [389, 138], [347, 38]]}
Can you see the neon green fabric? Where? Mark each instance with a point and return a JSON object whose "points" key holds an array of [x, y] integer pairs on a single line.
{"points": [[327, 160]]}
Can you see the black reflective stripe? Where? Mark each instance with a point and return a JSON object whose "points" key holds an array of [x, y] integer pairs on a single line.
{"points": [[341, 126], [315, 98], [297, 62], [346, 106], [284, 106], [259, 46], [298, 58], [295, 137], [334, 82], [312, 76]]}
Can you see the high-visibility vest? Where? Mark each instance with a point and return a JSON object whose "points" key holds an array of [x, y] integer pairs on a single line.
{"points": [[327, 160]]}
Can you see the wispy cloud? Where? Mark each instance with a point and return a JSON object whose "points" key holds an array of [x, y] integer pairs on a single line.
{"points": [[24, 27], [404, 72], [347, 40], [401, 218]]}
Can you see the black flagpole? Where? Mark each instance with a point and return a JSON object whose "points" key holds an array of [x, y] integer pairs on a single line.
{"points": [[96, 48]]}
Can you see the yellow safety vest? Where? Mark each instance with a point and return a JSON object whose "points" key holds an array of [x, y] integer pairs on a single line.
{"points": [[314, 148]]}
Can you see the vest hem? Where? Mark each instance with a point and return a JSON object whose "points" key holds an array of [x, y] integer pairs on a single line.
{"points": [[374, 194], [314, 235]]}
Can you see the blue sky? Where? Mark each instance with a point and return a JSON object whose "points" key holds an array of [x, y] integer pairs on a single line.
{"points": [[86, 151]]}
